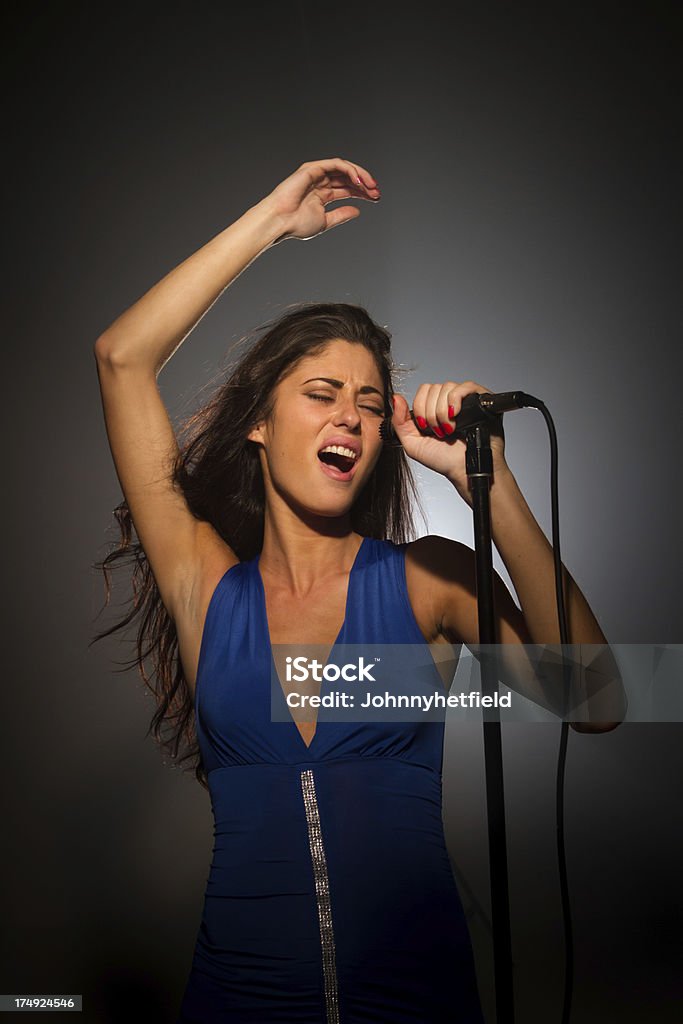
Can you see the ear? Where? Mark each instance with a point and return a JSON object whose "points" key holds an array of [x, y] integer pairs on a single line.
{"points": [[256, 433]]}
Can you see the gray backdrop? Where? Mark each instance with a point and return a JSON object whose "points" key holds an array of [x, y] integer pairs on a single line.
{"points": [[528, 237]]}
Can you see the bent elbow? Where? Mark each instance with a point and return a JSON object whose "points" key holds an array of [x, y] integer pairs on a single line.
{"points": [[590, 727]]}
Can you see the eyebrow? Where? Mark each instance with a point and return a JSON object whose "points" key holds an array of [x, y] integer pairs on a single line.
{"points": [[365, 390]]}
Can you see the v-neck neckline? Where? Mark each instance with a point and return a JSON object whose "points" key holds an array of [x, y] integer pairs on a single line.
{"points": [[264, 612]]}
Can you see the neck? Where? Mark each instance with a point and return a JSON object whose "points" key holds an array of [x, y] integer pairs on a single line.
{"points": [[300, 555]]}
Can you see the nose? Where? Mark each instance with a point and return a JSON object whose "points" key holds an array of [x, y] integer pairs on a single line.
{"points": [[346, 412]]}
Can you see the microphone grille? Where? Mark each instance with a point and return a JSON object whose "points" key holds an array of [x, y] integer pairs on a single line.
{"points": [[387, 433]]}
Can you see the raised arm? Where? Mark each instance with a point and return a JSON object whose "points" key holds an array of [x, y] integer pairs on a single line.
{"points": [[132, 351]]}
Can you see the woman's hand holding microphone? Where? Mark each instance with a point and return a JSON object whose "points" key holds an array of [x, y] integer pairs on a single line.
{"points": [[431, 440]]}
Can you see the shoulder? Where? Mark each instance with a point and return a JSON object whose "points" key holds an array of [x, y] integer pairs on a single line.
{"points": [[438, 571], [435, 560], [441, 575]]}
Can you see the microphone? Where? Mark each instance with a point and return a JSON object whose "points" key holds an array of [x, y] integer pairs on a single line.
{"points": [[476, 408]]}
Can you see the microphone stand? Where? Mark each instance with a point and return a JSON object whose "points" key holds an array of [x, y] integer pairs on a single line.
{"points": [[479, 467], [477, 414]]}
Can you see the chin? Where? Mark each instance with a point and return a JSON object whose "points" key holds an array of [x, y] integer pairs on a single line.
{"points": [[330, 511], [328, 506]]}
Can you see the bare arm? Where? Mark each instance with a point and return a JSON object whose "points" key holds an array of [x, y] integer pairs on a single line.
{"points": [[528, 558], [147, 335]]}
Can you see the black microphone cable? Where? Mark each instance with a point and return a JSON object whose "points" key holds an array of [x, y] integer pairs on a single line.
{"points": [[488, 407], [564, 728]]}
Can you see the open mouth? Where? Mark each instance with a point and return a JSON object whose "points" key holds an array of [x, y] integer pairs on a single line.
{"points": [[339, 460]]}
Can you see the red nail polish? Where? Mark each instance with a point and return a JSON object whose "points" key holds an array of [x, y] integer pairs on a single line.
{"points": [[451, 412], [421, 422], [448, 427], [438, 431]]}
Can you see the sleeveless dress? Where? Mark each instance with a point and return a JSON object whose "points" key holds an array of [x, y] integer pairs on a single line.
{"points": [[330, 897]]}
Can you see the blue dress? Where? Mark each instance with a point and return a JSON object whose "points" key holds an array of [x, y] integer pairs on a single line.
{"points": [[330, 898]]}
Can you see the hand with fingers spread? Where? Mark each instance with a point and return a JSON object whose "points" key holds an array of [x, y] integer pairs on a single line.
{"points": [[432, 441], [300, 201]]}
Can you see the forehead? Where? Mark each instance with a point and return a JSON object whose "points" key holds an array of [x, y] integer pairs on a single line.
{"points": [[344, 360]]}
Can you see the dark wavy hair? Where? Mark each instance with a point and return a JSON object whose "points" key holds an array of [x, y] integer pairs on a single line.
{"points": [[218, 471]]}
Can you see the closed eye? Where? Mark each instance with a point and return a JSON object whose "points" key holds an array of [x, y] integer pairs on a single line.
{"points": [[328, 398]]}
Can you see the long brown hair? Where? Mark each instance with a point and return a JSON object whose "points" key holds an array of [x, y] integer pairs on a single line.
{"points": [[219, 473]]}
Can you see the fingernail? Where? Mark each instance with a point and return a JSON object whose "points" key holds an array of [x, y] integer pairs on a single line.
{"points": [[421, 422], [438, 431], [451, 412], [448, 428]]}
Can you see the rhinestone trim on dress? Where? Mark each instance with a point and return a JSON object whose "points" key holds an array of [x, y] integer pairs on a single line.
{"points": [[322, 891]]}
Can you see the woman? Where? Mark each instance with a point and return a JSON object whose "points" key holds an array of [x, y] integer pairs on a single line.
{"points": [[287, 520]]}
